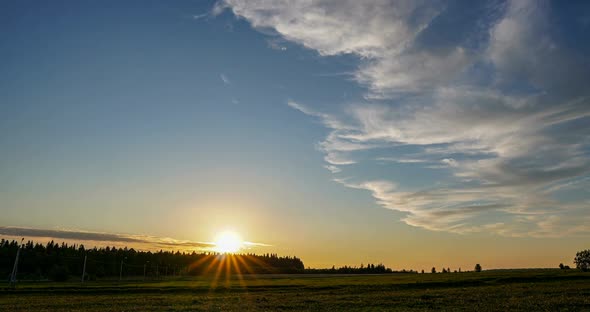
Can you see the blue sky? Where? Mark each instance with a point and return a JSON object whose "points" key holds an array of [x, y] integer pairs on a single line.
{"points": [[296, 122]]}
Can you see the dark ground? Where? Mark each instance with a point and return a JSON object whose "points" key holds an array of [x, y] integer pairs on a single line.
{"points": [[520, 290]]}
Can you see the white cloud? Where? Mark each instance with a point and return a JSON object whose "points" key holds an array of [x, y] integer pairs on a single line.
{"points": [[402, 160], [378, 31], [507, 139], [200, 16], [336, 27], [449, 162], [333, 169], [411, 72], [218, 8]]}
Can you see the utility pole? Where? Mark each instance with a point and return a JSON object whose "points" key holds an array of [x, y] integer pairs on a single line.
{"points": [[15, 267], [84, 267]]}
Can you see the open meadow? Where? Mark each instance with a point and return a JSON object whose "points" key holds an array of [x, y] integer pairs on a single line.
{"points": [[505, 290]]}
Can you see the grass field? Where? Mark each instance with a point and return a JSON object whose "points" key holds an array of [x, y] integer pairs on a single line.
{"points": [[518, 290]]}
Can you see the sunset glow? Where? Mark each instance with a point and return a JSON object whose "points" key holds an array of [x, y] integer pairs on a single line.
{"points": [[228, 242]]}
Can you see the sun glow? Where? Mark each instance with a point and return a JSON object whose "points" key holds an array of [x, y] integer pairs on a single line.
{"points": [[228, 242]]}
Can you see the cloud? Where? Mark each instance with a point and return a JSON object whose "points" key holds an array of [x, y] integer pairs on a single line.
{"points": [[216, 10], [225, 80], [256, 244], [335, 27], [333, 169], [201, 16], [401, 160], [487, 91], [276, 44], [146, 242]]}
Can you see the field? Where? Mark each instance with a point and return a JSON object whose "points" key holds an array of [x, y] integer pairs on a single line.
{"points": [[519, 290]]}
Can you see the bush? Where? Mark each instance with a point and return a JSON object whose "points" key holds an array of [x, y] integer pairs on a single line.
{"points": [[59, 273], [582, 260], [478, 268]]}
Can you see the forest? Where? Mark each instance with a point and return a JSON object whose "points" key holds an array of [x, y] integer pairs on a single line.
{"points": [[60, 261]]}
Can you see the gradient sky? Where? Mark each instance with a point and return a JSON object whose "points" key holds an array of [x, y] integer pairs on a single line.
{"points": [[417, 134]]}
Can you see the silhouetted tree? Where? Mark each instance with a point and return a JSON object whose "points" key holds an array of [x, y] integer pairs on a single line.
{"points": [[582, 260], [433, 270], [561, 266], [57, 261], [478, 268]]}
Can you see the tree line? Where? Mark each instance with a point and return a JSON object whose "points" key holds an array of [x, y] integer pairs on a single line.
{"points": [[368, 269], [57, 261]]}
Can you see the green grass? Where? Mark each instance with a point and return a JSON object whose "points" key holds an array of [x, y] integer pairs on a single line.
{"points": [[519, 290]]}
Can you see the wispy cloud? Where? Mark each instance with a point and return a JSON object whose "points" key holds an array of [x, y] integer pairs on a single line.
{"points": [[276, 44], [146, 242], [402, 160], [256, 244], [500, 104], [217, 9], [332, 168], [225, 80], [201, 16]]}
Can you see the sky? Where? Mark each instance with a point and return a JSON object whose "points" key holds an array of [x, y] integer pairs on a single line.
{"points": [[409, 133]]}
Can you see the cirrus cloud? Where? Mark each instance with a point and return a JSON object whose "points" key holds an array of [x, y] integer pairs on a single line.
{"points": [[487, 93]]}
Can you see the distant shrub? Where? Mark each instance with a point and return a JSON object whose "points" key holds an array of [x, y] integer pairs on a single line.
{"points": [[582, 260], [478, 268], [564, 267]]}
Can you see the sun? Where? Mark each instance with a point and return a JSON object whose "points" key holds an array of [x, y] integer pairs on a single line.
{"points": [[228, 242]]}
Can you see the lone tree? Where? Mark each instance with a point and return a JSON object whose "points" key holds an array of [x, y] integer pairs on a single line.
{"points": [[478, 268], [433, 270], [582, 260]]}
